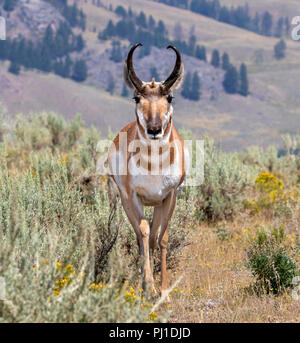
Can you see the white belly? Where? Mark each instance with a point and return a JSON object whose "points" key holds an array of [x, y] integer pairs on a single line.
{"points": [[153, 189]]}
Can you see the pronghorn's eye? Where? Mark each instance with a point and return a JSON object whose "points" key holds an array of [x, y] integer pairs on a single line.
{"points": [[136, 99], [170, 98]]}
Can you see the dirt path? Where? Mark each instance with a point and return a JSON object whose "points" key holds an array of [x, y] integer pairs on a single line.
{"points": [[214, 279]]}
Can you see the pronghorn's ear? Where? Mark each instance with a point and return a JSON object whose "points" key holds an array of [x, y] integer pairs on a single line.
{"points": [[126, 76]]}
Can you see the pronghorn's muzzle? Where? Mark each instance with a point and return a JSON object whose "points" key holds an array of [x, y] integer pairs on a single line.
{"points": [[154, 132]]}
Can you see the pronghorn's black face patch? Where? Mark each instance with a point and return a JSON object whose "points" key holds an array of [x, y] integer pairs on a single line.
{"points": [[153, 109]]}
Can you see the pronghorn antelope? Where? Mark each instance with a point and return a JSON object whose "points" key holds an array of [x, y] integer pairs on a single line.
{"points": [[148, 163]]}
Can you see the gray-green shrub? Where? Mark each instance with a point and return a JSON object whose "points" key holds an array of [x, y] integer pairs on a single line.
{"points": [[271, 262], [226, 179]]}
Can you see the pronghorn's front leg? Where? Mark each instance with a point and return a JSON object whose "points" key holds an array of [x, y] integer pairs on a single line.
{"points": [[155, 225], [166, 215], [135, 213]]}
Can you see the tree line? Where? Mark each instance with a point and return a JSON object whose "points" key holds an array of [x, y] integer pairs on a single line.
{"points": [[74, 16], [137, 27], [49, 54], [9, 5], [140, 28], [263, 24], [234, 81]]}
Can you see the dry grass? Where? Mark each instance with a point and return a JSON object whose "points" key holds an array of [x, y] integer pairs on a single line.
{"points": [[34, 91], [213, 288]]}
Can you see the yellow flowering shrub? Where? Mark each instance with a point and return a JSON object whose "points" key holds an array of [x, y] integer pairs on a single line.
{"points": [[67, 275], [271, 189], [270, 184], [132, 297], [274, 198]]}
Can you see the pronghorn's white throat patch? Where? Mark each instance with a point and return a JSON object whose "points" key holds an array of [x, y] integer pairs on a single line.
{"points": [[160, 136], [142, 120]]}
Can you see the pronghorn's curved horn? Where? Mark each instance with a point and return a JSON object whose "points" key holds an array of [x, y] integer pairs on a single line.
{"points": [[177, 74], [131, 75]]}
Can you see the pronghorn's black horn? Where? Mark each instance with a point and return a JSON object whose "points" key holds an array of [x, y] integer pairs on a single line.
{"points": [[137, 83], [177, 71]]}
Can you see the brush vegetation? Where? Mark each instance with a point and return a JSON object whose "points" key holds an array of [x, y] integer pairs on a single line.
{"points": [[69, 255]]}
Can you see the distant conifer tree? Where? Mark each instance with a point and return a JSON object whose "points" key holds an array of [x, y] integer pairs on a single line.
{"points": [[151, 23], [225, 61], [9, 5], [186, 87], [287, 25], [279, 27], [120, 10], [267, 23], [58, 68], [45, 63], [14, 68], [192, 44], [79, 71], [79, 43], [279, 49], [215, 59], [124, 91], [116, 54], [178, 33], [108, 32], [67, 66], [231, 79], [48, 39], [110, 84], [195, 89], [244, 84], [141, 20], [256, 23], [200, 53], [130, 13], [161, 29]]}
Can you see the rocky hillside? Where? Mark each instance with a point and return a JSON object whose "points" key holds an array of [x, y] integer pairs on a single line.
{"points": [[31, 18], [271, 109]]}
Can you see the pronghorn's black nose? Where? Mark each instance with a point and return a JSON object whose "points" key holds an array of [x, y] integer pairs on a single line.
{"points": [[154, 132]]}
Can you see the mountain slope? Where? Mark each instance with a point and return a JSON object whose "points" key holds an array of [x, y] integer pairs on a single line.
{"points": [[278, 8], [271, 109], [35, 92]]}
